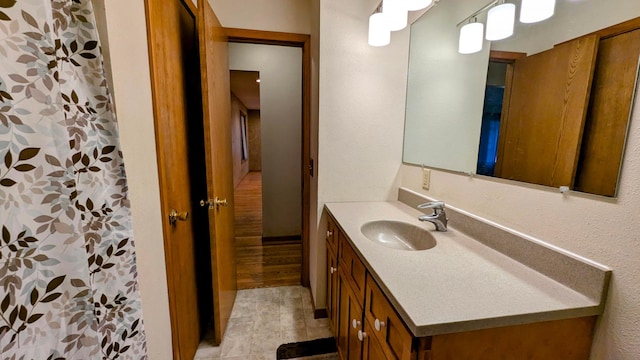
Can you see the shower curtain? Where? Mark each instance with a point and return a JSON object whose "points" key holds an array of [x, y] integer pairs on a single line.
{"points": [[68, 278]]}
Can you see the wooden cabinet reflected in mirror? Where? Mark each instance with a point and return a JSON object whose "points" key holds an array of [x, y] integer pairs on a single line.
{"points": [[560, 117]]}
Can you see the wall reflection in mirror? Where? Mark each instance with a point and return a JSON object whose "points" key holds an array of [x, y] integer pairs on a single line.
{"points": [[549, 105]]}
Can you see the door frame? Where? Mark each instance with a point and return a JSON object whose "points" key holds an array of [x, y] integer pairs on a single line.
{"points": [[302, 41]]}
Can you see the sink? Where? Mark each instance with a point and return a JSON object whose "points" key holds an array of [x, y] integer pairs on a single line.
{"points": [[398, 235]]}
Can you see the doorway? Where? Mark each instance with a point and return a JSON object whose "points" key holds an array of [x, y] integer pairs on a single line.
{"points": [[276, 256], [266, 80]]}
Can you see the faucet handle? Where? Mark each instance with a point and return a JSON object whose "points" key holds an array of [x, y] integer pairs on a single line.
{"points": [[437, 206]]}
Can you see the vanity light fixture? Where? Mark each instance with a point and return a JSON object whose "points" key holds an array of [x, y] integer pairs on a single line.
{"points": [[415, 5], [396, 14], [379, 33], [471, 37], [532, 11], [501, 21]]}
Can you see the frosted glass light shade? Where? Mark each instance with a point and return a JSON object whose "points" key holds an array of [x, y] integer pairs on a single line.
{"points": [[414, 5], [500, 22], [396, 14], [533, 11], [471, 38], [379, 34]]}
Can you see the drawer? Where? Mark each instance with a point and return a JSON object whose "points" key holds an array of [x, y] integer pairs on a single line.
{"points": [[332, 234], [394, 337], [351, 267]]}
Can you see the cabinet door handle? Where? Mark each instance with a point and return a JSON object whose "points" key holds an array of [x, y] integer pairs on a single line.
{"points": [[355, 323], [379, 324], [329, 233], [333, 270], [361, 335]]}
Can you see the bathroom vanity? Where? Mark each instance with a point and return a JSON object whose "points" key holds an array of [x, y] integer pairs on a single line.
{"points": [[482, 292]]}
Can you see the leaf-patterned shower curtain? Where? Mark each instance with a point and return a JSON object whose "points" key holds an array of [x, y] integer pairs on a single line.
{"points": [[68, 278]]}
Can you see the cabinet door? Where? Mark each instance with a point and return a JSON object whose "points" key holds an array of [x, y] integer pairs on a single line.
{"points": [[350, 323], [332, 290], [371, 345], [394, 337], [352, 267], [332, 234]]}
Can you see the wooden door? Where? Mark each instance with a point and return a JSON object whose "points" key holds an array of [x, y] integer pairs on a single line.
{"points": [[541, 132], [171, 29], [216, 92], [611, 102]]}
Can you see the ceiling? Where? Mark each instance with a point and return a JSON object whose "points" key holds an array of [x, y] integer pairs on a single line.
{"points": [[245, 87]]}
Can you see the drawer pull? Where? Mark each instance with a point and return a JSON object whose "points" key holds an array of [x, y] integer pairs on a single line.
{"points": [[333, 270], [329, 233], [379, 324], [355, 323], [361, 335]]}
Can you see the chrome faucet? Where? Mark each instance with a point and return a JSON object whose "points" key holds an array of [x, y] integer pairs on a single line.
{"points": [[438, 218]]}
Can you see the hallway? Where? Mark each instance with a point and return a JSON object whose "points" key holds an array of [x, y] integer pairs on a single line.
{"points": [[261, 264]]}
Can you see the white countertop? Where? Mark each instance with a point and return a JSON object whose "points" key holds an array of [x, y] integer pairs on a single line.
{"points": [[460, 284]]}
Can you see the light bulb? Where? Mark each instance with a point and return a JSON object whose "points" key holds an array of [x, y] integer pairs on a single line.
{"points": [[414, 5], [379, 34], [500, 22], [536, 10], [471, 38], [396, 14]]}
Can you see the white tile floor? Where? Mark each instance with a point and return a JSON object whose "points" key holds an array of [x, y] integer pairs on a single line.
{"points": [[262, 320]]}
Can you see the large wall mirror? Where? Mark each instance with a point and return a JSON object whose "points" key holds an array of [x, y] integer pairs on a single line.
{"points": [[550, 105]]}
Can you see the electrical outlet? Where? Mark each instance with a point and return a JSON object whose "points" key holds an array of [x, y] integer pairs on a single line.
{"points": [[426, 178]]}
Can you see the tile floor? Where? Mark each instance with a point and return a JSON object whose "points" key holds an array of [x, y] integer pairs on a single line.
{"points": [[262, 320]]}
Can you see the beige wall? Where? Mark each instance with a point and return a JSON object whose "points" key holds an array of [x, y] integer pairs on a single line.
{"points": [[240, 167], [127, 46], [270, 15], [361, 116]]}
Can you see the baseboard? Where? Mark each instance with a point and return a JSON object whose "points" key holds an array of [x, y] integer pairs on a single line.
{"points": [[293, 239]]}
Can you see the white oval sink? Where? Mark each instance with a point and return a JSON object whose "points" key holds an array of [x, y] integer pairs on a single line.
{"points": [[398, 235]]}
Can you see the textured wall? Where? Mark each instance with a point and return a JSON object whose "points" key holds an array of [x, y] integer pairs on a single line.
{"points": [[601, 229], [361, 116]]}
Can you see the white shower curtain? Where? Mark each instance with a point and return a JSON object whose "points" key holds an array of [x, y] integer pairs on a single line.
{"points": [[68, 278]]}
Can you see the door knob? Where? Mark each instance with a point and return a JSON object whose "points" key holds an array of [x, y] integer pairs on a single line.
{"points": [[221, 202], [361, 335], [379, 324], [333, 269], [355, 323], [174, 216]]}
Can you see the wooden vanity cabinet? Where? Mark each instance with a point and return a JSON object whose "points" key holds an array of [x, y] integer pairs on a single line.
{"points": [[367, 325], [333, 282]]}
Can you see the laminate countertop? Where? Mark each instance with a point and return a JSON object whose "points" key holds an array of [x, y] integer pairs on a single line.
{"points": [[461, 284]]}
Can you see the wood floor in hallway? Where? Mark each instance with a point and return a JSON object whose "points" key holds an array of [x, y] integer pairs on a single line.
{"points": [[258, 264]]}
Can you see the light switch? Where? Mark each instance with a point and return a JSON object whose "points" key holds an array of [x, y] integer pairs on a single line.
{"points": [[426, 178]]}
